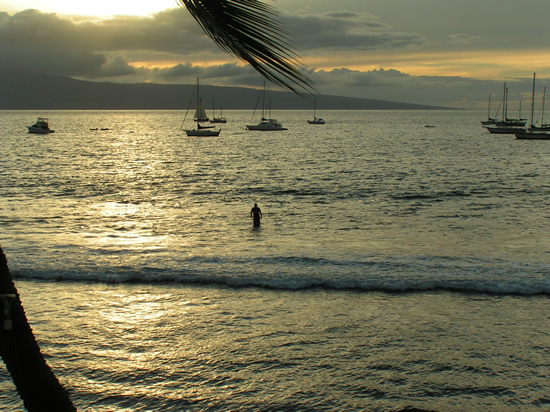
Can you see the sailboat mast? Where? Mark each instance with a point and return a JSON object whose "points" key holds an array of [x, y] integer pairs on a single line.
{"points": [[542, 112], [533, 101], [504, 103], [263, 103], [198, 101]]}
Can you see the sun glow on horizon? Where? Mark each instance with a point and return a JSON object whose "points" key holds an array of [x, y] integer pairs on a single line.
{"points": [[486, 65], [97, 8], [167, 64]]}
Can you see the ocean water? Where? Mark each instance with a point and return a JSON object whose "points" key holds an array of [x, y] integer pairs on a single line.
{"points": [[397, 266]]}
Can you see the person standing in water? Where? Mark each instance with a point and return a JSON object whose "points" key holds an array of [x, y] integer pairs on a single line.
{"points": [[256, 214]]}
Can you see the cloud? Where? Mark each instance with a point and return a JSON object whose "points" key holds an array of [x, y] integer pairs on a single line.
{"points": [[173, 31], [31, 40], [346, 30], [382, 84], [35, 41], [170, 47], [115, 66], [111, 47], [461, 38]]}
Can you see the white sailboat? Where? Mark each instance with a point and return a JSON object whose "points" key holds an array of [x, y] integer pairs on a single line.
{"points": [[266, 124], [200, 113], [316, 120], [200, 116]]}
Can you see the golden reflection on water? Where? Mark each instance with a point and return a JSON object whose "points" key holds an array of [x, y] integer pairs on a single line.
{"points": [[227, 347], [133, 310]]}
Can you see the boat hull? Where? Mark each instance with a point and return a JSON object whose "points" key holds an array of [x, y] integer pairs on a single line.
{"points": [[505, 130], [39, 130], [533, 135], [203, 132], [266, 126]]}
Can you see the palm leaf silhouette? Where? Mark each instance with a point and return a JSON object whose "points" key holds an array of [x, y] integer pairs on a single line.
{"points": [[249, 30]]}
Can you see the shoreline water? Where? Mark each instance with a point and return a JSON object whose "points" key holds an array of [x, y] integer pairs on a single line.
{"points": [[316, 348], [396, 266]]}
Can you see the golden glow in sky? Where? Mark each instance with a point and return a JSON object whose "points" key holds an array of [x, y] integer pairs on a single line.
{"points": [[475, 64], [99, 8]]}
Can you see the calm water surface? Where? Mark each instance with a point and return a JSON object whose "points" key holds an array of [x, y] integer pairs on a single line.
{"points": [[396, 265]]}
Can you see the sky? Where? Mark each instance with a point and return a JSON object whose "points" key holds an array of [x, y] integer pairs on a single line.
{"points": [[439, 52]]}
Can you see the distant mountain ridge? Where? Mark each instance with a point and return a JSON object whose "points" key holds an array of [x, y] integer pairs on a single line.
{"points": [[32, 91]]}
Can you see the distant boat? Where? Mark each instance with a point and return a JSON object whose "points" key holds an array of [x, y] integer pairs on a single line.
{"points": [[507, 122], [543, 126], [490, 120], [41, 126], [506, 125], [535, 132], [266, 124], [200, 116], [215, 119], [200, 113], [316, 120], [533, 135], [505, 129]]}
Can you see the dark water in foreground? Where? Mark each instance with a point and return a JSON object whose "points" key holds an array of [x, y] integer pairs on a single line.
{"points": [[396, 265]]}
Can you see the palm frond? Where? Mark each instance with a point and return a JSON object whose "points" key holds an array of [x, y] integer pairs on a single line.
{"points": [[249, 30]]}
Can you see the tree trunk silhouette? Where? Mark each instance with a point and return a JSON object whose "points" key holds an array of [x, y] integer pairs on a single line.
{"points": [[36, 383]]}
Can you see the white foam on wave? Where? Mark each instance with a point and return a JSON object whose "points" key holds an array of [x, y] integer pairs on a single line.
{"points": [[384, 282]]}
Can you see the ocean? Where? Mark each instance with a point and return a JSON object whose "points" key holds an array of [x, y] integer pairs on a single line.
{"points": [[397, 266]]}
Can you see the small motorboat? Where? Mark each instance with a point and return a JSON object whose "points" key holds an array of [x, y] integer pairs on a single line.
{"points": [[41, 126]]}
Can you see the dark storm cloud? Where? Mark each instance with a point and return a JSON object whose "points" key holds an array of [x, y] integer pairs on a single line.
{"points": [[346, 31], [34, 41], [172, 31], [138, 49], [46, 42]]}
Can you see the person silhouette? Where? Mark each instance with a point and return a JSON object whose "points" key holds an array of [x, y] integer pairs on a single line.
{"points": [[256, 214]]}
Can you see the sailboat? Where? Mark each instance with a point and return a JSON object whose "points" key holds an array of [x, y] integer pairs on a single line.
{"points": [[543, 126], [535, 132], [490, 120], [506, 121], [316, 120], [200, 116], [266, 124], [506, 126], [200, 113], [215, 119]]}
